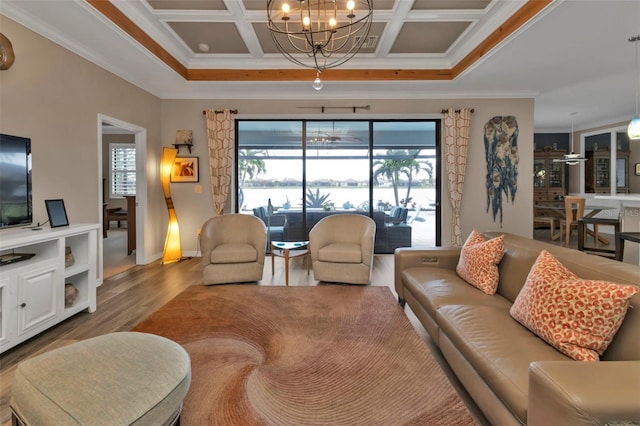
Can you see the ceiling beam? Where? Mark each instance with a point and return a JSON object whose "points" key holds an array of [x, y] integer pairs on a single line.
{"points": [[304, 74], [116, 16], [530, 9], [518, 19]]}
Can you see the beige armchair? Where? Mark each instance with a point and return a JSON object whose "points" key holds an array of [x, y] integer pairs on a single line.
{"points": [[233, 249], [342, 248]]}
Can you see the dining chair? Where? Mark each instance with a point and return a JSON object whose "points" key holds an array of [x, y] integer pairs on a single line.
{"points": [[574, 210]]}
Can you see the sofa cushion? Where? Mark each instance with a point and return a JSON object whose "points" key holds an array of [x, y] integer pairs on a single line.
{"points": [[520, 253], [341, 253], [579, 317], [479, 258], [498, 348], [435, 287], [234, 253]]}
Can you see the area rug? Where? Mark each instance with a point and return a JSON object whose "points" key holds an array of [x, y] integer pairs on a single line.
{"points": [[322, 355]]}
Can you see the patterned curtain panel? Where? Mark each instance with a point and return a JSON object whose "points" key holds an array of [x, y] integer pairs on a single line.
{"points": [[456, 142], [220, 134]]}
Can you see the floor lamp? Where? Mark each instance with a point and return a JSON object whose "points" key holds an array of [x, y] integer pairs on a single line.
{"points": [[172, 250]]}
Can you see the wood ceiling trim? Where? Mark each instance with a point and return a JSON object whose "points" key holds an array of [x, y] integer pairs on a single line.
{"points": [[309, 74], [515, 21], [128, 26]]}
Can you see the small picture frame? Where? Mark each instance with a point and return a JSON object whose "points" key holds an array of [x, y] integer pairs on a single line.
{"points": [[185, 169], [637, 169], [57, 213]]}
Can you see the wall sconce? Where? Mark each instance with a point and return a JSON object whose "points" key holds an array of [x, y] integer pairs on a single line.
{"points": [[172, 249], [184, 138], [6, 53]]}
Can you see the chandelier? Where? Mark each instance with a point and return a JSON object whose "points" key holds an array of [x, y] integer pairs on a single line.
{"points": [[319, 34]]}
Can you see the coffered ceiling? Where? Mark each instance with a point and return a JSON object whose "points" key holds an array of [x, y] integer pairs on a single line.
{"points": [[570, 55]]}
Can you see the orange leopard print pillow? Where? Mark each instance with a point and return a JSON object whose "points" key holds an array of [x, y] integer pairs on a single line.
{"points": [[576, 316], [478, 264]]}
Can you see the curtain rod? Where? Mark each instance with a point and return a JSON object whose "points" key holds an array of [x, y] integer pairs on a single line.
{"points": [[457, 110], [218, 111], [323, 108]]}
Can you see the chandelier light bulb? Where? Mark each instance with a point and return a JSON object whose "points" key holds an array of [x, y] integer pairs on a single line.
{"points": [[322, 37], [317, 83]]}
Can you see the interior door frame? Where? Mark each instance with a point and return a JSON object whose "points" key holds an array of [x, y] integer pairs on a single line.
{"points": [[141, 188]]}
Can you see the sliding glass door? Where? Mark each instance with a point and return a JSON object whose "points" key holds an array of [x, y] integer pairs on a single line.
{"points": [[270, 173], [405, 179], [293, 173]]}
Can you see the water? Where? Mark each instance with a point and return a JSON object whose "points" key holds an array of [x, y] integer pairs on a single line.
{"points": [[357, 196]]}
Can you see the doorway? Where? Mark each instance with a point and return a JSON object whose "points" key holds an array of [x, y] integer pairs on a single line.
{"points": [[114, 251]]}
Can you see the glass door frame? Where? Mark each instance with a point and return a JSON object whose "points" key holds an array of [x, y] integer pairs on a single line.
{"points": [[304, 148]]}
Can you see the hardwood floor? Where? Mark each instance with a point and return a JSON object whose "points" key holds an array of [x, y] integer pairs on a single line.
{"points": [[127, 298]]}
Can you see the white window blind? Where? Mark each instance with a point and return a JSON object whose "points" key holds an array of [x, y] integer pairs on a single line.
{"points": [[123, 169]]}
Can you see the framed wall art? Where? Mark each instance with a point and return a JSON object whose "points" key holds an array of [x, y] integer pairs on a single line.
{"points": [[57, 213], [185, 169], [637, 169]]}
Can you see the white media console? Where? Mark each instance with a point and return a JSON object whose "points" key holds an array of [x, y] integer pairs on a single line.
{"points": [[32, 291]]}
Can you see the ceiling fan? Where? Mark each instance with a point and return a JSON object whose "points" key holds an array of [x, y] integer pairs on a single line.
{"points": [[321, 137], [571, 158], [330, 138]]}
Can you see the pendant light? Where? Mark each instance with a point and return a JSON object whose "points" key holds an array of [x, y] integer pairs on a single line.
{"points": [[634, 126], [572, 158]]}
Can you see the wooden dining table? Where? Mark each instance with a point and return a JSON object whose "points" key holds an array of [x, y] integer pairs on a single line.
{"points": [[559, 211]]}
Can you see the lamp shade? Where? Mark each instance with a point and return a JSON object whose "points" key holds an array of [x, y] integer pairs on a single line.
{"points": [[634, 128], [172, 249]]}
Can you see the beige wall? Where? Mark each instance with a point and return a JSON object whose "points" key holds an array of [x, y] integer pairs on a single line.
{"points": [[54, 97], [193, 208]]}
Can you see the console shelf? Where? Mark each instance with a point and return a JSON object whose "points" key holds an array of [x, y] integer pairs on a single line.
{"points": [[32, 291]]}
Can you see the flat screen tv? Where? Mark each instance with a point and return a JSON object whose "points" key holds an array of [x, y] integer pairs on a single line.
{"points": [[15, 181]]}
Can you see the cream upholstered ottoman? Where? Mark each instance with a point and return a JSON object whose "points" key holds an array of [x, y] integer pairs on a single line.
{"points": [[116, 379]]}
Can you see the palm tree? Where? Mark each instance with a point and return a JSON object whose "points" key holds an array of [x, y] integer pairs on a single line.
{"points": [[250, 166], [410, 166], [389, 168], [399, 162], [428, 167]]}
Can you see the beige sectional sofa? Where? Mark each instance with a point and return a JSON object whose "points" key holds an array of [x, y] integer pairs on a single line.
{"points": [[514, 376]]}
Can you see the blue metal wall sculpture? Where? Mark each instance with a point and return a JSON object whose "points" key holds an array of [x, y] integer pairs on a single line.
{"points": [[501, 148]]}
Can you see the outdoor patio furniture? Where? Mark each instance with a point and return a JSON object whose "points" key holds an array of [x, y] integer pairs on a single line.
{"points": [[275, 224], [388, 236]]}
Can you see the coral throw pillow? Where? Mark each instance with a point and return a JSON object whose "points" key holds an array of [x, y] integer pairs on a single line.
{"points": [[478, 264], [576, 316]]}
